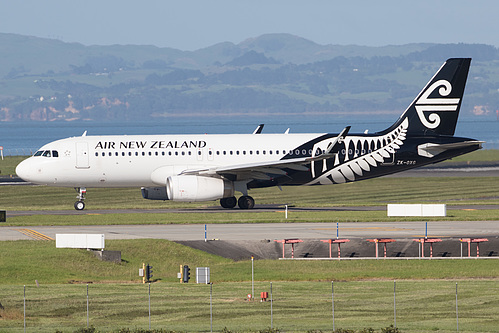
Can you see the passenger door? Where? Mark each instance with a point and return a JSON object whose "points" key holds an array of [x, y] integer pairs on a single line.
{"points": [[82, 160]]}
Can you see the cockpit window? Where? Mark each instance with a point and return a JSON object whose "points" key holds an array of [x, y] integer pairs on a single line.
{"points": [[47, 153]]}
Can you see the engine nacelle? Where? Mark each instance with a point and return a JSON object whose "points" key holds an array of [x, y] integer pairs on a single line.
{"points": [[198, 188], [154, 193]]}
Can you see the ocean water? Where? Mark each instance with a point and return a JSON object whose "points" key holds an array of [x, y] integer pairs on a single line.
{"points": [[24, 138]]}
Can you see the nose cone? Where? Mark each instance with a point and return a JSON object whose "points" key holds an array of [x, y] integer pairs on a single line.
{"points": [[25, 170]]}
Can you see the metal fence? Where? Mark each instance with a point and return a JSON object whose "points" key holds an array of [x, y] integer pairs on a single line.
{"points": [[18, 151], [468, 305]]}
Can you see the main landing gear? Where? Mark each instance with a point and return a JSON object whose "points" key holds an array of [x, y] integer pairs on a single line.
{"points": [[80, 205], [244, 202]]}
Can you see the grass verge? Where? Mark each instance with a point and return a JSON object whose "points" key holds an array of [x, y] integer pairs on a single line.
{"points": [[28, 261], [378, 191], [421, 306], [425, 291]]}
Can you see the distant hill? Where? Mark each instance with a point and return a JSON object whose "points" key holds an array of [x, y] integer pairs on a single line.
{"points": [[45, 79]]}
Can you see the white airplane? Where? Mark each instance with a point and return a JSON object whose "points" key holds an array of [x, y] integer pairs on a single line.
{"points": [[212, 167]]}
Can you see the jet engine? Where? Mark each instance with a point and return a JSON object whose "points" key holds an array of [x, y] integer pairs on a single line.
{"points": [[198, 188]]}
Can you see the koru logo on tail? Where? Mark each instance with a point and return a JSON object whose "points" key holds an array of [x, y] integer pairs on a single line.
{"points": [[426, 104]]}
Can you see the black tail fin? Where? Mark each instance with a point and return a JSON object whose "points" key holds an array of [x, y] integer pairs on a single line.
{"points": [[436, 108]]}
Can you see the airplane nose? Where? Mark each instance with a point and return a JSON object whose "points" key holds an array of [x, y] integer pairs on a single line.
{"points": [[24, 170]]}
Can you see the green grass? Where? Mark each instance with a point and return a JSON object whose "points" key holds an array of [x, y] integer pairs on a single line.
{"points": [[422, 306], [374, 192], [378, 191], [28, 261], [240, 217], [9, 163], [425, 291]]}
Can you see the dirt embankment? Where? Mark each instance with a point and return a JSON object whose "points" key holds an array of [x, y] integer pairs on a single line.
{"points": [[355, 248]]}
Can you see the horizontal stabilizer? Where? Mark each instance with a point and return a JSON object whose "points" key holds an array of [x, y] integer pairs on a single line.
{"points": [[433, 149]]}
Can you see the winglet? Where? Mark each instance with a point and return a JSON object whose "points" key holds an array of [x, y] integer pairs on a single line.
{"points": [[338, 140], [259, 129]]}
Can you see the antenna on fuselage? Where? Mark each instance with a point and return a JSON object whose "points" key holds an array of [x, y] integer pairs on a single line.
{"points": [[84, 133]]}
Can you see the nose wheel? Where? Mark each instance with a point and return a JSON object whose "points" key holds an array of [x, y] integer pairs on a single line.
{"points": [[80, 205]]}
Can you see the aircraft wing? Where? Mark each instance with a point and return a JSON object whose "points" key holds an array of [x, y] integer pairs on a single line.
{"points": [[265, 170]]}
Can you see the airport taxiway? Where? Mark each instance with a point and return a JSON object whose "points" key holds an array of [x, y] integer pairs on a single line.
{"points": [[269, 231]]}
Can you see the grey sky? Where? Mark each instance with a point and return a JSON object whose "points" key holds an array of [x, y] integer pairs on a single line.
{"points": [[194, 24]]}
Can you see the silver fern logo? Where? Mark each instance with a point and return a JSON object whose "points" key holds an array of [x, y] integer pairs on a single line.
{"points": [[361, 161], [427, 104]]}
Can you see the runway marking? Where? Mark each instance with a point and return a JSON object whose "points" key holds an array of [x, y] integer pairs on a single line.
{"points": [[34, 234]]}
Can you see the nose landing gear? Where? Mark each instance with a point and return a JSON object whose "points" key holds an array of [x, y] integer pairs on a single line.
{"points": [[80, 205]]}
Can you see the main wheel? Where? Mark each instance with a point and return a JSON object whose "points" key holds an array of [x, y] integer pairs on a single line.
{"points": [[79, 205], [229, 202], [246, 202]]}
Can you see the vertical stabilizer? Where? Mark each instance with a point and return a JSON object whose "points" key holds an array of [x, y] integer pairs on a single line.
{"points": [[436, 108]]}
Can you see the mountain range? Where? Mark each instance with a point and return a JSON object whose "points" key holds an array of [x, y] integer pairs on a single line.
{"points": [[50, 80]]}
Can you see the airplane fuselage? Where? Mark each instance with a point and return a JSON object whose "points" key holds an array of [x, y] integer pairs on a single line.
{"points": [[146, 161]]}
